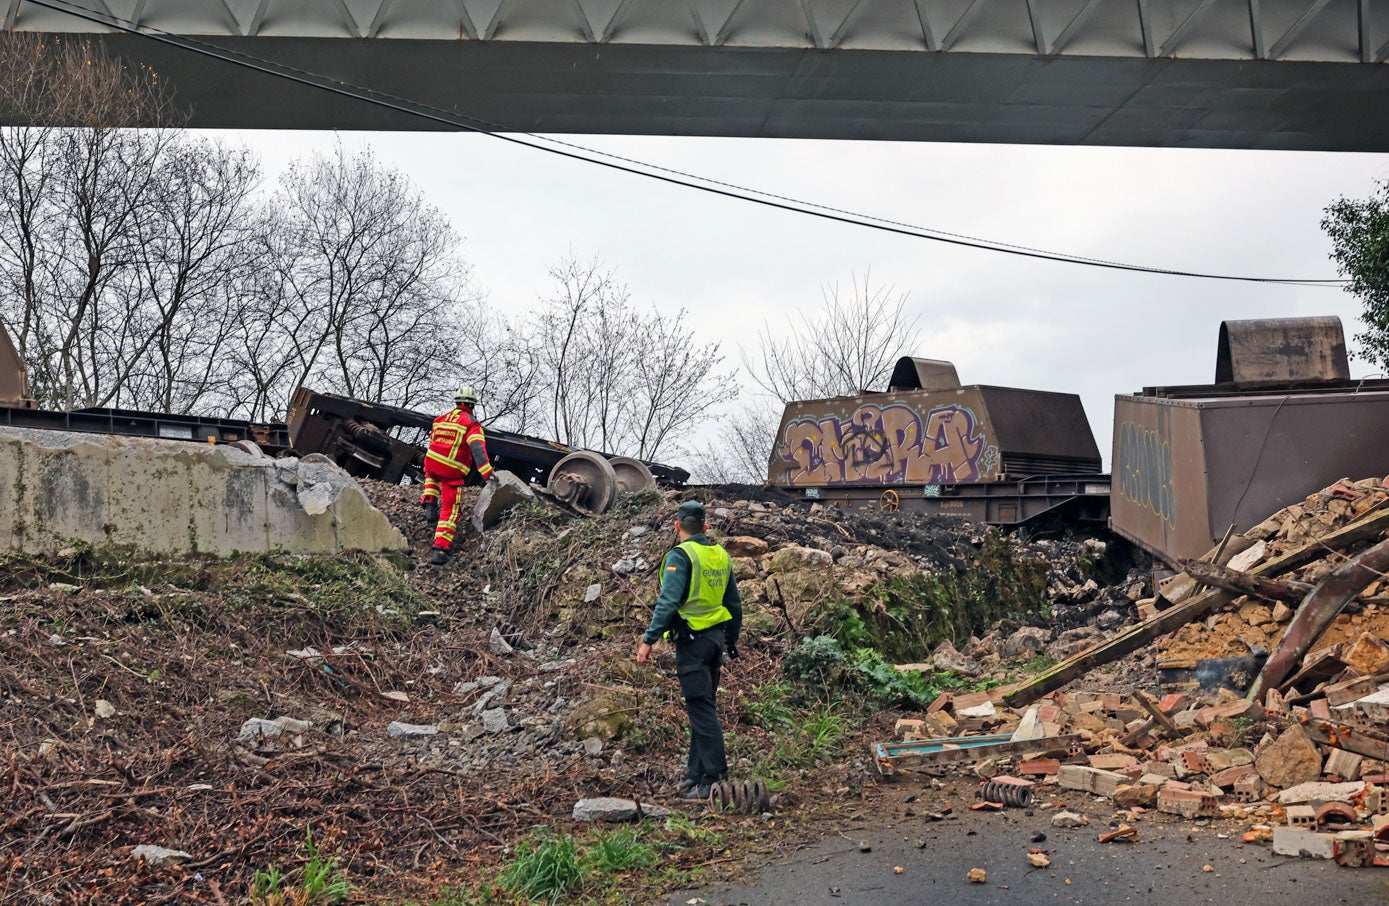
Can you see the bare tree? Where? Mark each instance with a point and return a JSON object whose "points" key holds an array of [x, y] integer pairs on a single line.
{"points": [[361, 291], [71, 200], [615, 377], [848, 346]]}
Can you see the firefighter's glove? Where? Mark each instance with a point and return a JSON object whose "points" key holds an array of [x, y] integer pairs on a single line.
{"points": [[731, 654]]}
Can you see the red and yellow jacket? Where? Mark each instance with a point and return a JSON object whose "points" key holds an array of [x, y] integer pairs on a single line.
{"points": [[456, 447]]}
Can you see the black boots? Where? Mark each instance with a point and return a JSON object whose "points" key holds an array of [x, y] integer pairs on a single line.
{"points": [[431, 511], [439, 557]]}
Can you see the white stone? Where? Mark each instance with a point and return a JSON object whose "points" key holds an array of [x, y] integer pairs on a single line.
{"points": [[104, 709], [494, 720], [1316, 791], [984, 710], [593, 593], [498, 645], [1068, 819], [1030, 727], [399, 730], [608, 808], [158, 856]]}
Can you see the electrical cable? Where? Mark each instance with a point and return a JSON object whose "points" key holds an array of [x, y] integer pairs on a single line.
{"points": [[628, 165]]}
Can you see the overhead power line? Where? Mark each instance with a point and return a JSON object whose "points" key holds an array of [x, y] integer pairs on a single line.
{"points": [[623, 164]]}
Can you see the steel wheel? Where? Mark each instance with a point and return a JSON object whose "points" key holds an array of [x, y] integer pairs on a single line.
{"points": [[633, 476], [889, 501], [585, 481]]}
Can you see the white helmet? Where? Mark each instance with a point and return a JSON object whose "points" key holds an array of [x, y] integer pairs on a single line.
{"points": [[465, 396]]}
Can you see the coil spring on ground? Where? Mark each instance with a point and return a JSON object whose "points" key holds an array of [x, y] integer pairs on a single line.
{"points": [[750, 797], [1011, 794]]}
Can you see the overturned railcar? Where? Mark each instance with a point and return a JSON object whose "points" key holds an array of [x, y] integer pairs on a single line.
{"points": [[1282, 420], [998, 455]]}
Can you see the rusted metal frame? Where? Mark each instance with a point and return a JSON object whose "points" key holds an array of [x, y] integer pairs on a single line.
{"points": [[954, 34], [1256, 30], [1135, 637], [933, 752], [1349, 739], [927, 34], [1173, 40], [1072, 27], [1145, 25], [1362, 14], [382, 7], [585, 26], [726, 30], [465, 20], [496, 22], [348, 19], [615, 21], [1233, 580], [1291, 34], [1034, 17], [700, 28], [253, 26], [1317, 612], [811, 25], [850, 18]]}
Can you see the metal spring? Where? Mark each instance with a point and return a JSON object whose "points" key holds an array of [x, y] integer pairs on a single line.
{"points": [[749, 797], [1011, 794]]}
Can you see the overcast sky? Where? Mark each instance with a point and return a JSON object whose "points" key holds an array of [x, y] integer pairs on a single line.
{"points": [[1001, 319]]}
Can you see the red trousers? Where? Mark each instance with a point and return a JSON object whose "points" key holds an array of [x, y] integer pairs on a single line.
{"points": [[449, 490]]}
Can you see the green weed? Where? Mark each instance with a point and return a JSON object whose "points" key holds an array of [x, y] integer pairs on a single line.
{"points": [[619, 851], [544, 868], [321, 883]]}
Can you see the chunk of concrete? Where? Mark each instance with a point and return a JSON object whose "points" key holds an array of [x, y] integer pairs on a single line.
{"points": [[1090, 780], [1316, 791], [172, 497], [1289, 760], [502, 493], [494, 720], [400, 730], [1301, 843], [608, 808]]}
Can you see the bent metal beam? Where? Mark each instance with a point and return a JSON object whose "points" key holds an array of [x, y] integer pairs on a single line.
{"points": [[1290, 74]]}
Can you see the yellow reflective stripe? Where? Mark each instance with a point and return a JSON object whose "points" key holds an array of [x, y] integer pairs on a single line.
{"points": [[451, 463]]}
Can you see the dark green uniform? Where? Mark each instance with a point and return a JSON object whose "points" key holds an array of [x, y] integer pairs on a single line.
{"points": [[700, 607]]}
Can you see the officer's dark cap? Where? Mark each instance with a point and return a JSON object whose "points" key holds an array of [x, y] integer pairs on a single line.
{"points": [[690, 511]]}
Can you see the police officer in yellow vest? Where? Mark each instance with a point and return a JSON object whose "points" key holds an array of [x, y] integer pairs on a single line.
{"points": [[699, 606]]}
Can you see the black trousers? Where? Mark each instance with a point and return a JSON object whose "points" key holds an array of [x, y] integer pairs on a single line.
{"points": [[697, 661]]}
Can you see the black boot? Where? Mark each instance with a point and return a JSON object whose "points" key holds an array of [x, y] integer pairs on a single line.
{"points": [[439, 557], [431, 511]]}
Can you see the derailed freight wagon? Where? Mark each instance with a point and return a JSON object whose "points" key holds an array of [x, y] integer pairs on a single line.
{"points": [[1282, 420], [999, 455]]}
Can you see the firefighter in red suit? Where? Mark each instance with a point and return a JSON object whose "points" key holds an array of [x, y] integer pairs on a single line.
{"points": [[457, 449]]}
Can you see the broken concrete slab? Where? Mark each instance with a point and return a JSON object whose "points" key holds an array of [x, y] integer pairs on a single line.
{"points": [[171, 497], [500, 494], [1315, 791], [1302, 843], [1090, 780]]}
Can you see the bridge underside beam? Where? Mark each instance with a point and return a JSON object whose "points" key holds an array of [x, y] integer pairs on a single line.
{"points": [[790, 93]]}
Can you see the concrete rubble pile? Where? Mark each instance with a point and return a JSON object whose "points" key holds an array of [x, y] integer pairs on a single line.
{"points": [[1271, 703]]}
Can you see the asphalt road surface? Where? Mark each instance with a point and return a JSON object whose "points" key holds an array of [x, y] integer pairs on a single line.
{"points": [[1166, 867]]}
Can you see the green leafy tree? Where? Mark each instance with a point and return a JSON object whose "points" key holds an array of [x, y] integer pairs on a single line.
{"points": [[1359, 232]]}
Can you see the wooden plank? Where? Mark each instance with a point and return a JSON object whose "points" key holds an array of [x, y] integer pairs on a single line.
{"points": [[1151, 707], [888, 762], [1232, 580], [1316, 614], [1339, 736], [1371, 525]]}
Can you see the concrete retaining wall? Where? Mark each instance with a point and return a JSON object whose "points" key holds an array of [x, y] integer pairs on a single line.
{"points": [[170, 497]]}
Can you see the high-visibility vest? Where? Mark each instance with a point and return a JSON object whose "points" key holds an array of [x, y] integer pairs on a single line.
{"points": [[449, 438], [710, 571]]}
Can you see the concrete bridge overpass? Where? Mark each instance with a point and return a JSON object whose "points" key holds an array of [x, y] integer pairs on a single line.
{"points": [[1287, 74]]}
